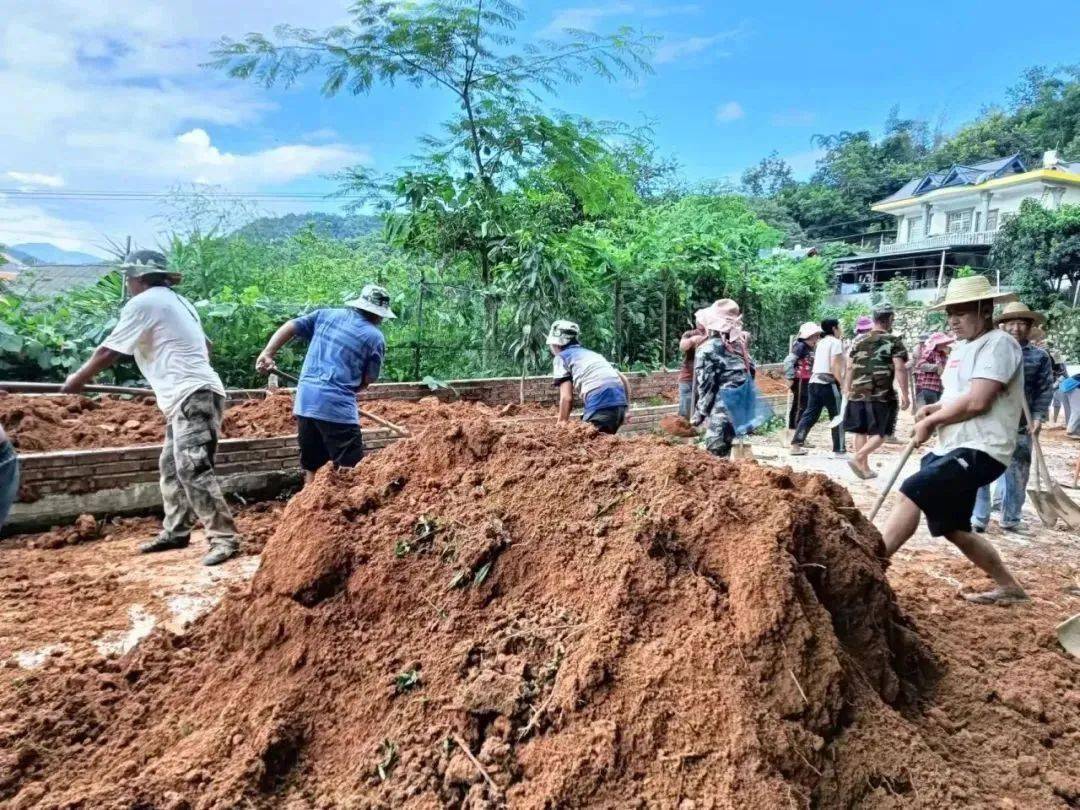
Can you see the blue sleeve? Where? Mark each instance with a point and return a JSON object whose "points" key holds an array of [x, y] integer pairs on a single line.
{"points": [[305, 324], [375, 361]]}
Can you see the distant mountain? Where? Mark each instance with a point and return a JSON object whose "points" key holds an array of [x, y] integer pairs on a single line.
{"points": [[44, 253], [330, 226]]}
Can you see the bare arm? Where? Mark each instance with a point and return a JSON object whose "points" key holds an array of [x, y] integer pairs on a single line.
{"points": [[692, 342], [976, 402], [566, 400], [626, 386], [285, 333], [902, 378], [101, 359]]}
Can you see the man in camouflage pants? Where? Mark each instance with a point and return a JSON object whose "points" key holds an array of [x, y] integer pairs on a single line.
{"points": [[720, 363], [163, 332], [878, 361]]}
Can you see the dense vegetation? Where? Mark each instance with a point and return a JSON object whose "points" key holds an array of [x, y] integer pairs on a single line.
{"points": [[514, 216]]}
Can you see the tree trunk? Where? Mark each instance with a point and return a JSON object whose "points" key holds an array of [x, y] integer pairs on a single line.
{"points": [[419, 328], [663, 327], [616, 343]]}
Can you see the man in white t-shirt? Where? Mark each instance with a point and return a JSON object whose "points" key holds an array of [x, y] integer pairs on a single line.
{"points": [[823, 392], [975, 421], [163, 332]]}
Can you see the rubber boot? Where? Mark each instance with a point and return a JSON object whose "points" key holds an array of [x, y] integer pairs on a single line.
{"points": [[164, 543], [220, 551]]}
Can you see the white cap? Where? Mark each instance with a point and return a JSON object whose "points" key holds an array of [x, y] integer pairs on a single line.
{"points": [[373, 299]]}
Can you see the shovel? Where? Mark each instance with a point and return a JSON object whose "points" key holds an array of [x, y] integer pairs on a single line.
{"points": [[838, 420], [1053, 503], [1068, 633], [378, 420], [1065, 506]]}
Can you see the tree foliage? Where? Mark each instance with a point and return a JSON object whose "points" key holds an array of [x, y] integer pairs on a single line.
{"points": [[1038, 252]]}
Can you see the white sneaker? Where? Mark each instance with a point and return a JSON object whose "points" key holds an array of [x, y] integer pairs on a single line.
{"points": [[839, 455]]}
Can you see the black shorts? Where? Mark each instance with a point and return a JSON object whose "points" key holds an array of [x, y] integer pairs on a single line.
{"points": [[945, 487], [607, 420], [321, 441], [871, 418]]}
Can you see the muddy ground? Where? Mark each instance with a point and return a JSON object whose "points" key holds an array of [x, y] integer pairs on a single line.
{"points": [[1005, 712]]}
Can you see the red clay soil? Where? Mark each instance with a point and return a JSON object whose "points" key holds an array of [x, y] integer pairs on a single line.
{"points": [[44, 423], [677, 426], [61, 422], [602, 622], [772, 384]]}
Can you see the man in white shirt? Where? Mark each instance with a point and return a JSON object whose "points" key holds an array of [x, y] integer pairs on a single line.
{"points": [[976, 421], [823, 392], [163, 331]]}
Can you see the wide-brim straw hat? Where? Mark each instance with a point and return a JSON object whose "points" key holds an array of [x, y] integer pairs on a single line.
{"points": [[1020, 312], [808, 330], [969, 289]]}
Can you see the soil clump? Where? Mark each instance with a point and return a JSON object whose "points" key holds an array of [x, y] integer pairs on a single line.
{"points": [[677, 426], [494, 614]]}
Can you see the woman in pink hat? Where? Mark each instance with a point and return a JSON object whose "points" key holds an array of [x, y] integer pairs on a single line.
{"points": [[721, 362], [929, 367]]}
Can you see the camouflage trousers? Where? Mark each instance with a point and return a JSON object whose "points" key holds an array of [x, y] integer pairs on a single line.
{"points": [[189, 487], [719, 431]]}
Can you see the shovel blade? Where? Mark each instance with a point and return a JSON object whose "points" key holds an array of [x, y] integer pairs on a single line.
{"points": [[1068, 633], [1066, 507], [1044, 507]]}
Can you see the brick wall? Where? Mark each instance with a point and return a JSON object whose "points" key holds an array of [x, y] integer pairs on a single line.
{"points": [[500, 390]]}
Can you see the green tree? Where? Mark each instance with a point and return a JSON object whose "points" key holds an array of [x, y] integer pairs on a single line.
{"points": [[1038, 252], [453, 198]]}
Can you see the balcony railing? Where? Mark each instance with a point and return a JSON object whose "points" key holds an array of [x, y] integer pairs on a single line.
{"points": [[942, 241]]}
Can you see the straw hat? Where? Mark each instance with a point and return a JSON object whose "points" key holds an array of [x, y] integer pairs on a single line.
{"points": [[969, 289], [1019, 312], [808, 330]]}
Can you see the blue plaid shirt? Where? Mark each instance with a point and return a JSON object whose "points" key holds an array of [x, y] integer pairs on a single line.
{"points": [[345, 354]]}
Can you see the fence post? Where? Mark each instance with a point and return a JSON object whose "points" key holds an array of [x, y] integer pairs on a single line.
{"points": [[663, 326], [419, 327]]}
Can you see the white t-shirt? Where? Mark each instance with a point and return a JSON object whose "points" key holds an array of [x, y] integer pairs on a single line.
{"points": [[163, 331], [994, 356], [827, 348]]}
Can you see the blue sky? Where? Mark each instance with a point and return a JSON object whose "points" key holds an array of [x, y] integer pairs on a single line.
{"points": [[110, 96]]}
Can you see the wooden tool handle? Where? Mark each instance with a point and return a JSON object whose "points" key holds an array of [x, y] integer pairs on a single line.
{"points": [[380, 421], [892, 479]]}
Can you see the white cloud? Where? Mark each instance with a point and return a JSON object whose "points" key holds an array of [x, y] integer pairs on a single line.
{"points": [[794, 118], [28, 180], [588, 18], [729, 111], [109, 95], [671, 50]]}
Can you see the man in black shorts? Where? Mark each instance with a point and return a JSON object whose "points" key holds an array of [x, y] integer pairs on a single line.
{"points": [[976, 423], [878, 362], [344, 355]]}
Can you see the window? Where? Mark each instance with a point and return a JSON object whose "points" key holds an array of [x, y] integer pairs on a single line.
{"points": [[992, 219], [959, 221], [914, 228]]}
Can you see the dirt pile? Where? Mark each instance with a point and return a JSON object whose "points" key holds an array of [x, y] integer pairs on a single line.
{"points": [[60, 422], [772, 384], [83, 530], [599, 622]]}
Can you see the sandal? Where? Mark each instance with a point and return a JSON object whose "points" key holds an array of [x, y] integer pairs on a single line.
{"points": [[859, 472], [998, 596]]}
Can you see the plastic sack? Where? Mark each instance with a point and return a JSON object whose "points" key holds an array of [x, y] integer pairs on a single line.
{"points": [[746, 408], [1069, 384]]}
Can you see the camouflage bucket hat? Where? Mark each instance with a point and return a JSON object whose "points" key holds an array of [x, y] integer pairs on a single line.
{"points": [[141, 263], [562, 333], [373, 299]]}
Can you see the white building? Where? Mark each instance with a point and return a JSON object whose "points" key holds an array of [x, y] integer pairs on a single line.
{"points": [[949, 219]]}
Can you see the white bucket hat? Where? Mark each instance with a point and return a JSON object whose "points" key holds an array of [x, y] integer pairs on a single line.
{"points": [[808, 330], [970, 289], [373, 299]]}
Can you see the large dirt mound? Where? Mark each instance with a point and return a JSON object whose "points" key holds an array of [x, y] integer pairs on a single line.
{"points": [[599, 622]]}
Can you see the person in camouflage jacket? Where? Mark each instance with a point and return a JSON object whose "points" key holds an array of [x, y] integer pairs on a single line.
{"points": [[878, 362], [721, 362]]}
